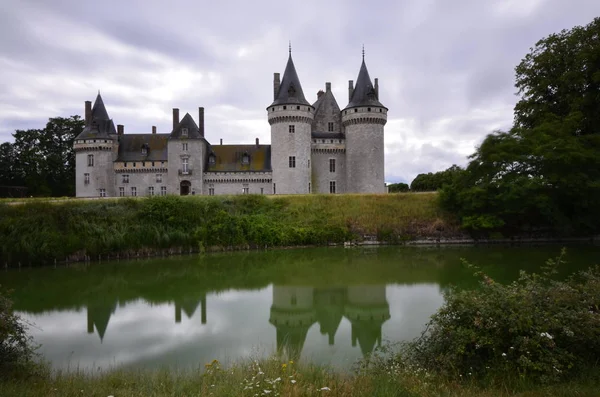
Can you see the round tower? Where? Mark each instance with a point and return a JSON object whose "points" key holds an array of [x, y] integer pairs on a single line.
{"points": [[96, 149], [290, 116], [363, 121]]}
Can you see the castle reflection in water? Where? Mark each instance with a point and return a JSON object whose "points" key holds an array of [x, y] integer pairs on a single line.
{"points": [[294, 311]]}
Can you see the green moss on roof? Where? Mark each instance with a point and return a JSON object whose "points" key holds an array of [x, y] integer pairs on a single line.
{"points": [[228, 158]]}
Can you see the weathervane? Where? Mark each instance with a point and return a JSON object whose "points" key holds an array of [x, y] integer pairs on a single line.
{"points": [[363, 52], [290, 47]]}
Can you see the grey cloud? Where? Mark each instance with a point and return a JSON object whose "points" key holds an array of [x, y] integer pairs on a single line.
{"points": [[440, 64]]}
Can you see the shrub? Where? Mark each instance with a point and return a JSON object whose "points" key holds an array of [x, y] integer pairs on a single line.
{"points": [[16, 348], [535, 328]]}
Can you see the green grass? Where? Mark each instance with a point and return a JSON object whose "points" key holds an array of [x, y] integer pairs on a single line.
{"points": [[39, 231], [277, 377]]}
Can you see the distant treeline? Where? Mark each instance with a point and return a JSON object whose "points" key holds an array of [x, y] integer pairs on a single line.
{"points": [[40, 162]]}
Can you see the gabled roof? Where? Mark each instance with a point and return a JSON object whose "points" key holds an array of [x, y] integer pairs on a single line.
{"points": [[228, 158], [187, 122], [100, 126], [327, 110], [290, 90], [364, 93], [130, 147]]}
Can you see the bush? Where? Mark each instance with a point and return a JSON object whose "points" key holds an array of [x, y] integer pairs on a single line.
{"points": [[16, 349], [535, 328]]}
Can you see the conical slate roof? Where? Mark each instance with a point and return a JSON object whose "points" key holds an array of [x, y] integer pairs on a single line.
{"points": [[364, 93], [290, 90], [101, 125]]}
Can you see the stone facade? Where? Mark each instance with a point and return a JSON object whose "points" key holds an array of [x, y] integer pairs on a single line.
{"points": [[315, 148]]}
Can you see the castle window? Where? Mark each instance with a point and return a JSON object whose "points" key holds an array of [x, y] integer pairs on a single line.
{"points": [[332, 187], [94, 141], [90, 160], [245, 159], [144, 150], [245, 189], [125, 178], [143, 163], [331, 141], [184, 132], [212, 160], [285, 107], [380, 110], [274, 188], [133, 191], [330, 126], [368, 109], [86, 179], [292, 161], [355, 110], [163, 190], [125, 164], [184, 147], [273, 109], [309, 187], [331, 165], [211, 190], [102, 192], [134, 164], [162, 163], [292, 129], [121, 191], [297, 107], [158, 178], [262, 190], [151, 190], [153, 163], [184, 166]]}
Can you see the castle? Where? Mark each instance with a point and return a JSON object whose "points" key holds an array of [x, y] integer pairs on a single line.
{"points": [[314, 148]]}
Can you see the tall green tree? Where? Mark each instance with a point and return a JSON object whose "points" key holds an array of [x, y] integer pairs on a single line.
{"points": [[543, 175], [42, 159]]}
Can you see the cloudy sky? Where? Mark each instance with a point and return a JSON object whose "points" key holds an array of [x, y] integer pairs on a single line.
{"points": [[446, 68]]}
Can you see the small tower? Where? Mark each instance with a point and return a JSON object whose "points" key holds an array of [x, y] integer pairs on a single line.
{"points": [[96, 149], [367, 309], [187, 154], [290, 116], [363, 119]]}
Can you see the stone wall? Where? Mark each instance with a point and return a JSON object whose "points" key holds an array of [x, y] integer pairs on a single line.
{"points": [[196, 156], [321, 175], [101, 175], [235, 182]]}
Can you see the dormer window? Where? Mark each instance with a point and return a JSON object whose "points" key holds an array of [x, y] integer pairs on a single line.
{"points": [[245, 159], [184, 132], [212, 160], [144, 150]]}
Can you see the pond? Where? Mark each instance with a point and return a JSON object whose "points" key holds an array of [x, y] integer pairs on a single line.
{"points": [[328, 306]]}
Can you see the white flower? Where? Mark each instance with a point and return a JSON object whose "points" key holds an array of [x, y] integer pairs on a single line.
{"points": [[266, 391], [547, 335], [293, 381], [325, 388], [277, 380], [503, 354]]}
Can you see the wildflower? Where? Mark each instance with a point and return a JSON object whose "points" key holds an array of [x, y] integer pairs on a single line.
{"points": [[293, 381], [503, 354], [547, 335], [325, 388], [266, 391], [277, 380]]}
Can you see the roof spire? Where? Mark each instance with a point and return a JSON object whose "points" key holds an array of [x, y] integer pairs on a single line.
{"points": [[290, 47], [363, 52]]}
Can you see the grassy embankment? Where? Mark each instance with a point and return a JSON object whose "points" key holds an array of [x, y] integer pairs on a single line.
{"points": [[41, 232], [274, 377]]}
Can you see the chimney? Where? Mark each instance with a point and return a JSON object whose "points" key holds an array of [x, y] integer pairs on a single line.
{"points": [[201, 120], [221, 141], [175, 118], [257, 142], [154, 129], [120, 129], [350, 89], [320, 94], [327, 87], [88, 112], [276, 84], [377, 88]]}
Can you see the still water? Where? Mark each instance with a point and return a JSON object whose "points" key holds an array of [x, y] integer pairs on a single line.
{"points": [[324, 305]]}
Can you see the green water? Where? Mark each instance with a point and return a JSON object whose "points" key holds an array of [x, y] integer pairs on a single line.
{"points": [[324, 305]]}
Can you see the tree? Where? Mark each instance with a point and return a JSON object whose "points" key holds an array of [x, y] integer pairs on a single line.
{"points": [[543, 175], [431, 182], [397, 187], [42, 160]]}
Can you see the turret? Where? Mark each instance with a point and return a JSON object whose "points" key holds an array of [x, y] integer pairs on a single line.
{"points": [[367, 309], [290, 116], [364, 119], [96, 149]]}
